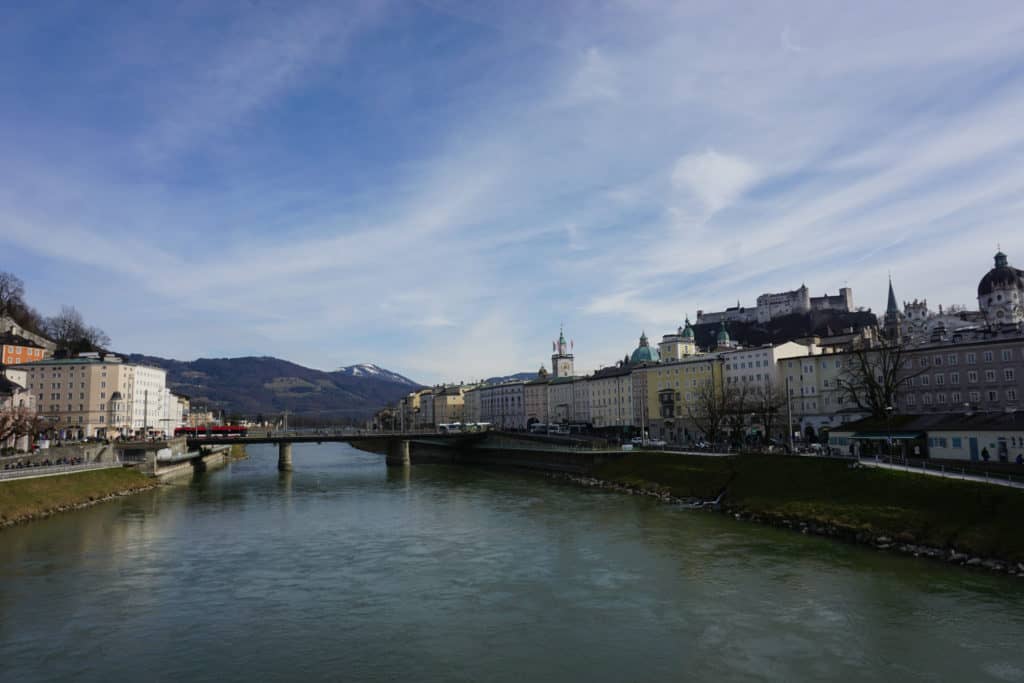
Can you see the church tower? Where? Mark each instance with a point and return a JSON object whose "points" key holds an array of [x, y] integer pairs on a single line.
{"points": [[893, 317], [561, 359]]}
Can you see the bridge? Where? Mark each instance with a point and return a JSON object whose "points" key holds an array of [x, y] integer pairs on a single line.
{"points": [[396, 445], [402, 448]]}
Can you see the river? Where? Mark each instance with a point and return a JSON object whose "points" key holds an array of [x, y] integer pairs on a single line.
{"points": [[345, 570]]}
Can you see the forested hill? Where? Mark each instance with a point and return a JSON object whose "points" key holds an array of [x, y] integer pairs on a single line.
{"points": [[262, 385]]}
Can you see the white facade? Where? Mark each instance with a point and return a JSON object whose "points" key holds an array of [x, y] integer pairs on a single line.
{"points": [[560, 400], [148, 397], [756, 368], [504, 405], [611, 398]]}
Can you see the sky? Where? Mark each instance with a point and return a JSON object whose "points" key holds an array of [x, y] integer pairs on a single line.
{"points": [[435, 186]]}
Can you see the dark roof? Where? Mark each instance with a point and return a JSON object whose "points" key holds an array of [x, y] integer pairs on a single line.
{"points": [[1002, 275], [982, 421], [614, 371], [11, 339]]}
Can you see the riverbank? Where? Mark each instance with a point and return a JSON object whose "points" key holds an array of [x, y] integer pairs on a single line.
{"points": [[962, 522], [22, 500]]}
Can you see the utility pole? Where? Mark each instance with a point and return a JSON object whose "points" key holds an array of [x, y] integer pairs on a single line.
{"points": [[145, 414]]}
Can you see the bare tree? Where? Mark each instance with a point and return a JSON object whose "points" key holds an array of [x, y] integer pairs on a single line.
{"points": [[17, 422], [737, 405], [70, 332], [767, 402], [709, 410], [12, 289], [874, 377]]}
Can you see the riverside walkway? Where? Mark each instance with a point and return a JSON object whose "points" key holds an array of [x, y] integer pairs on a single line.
{"points": [[950, 472]]}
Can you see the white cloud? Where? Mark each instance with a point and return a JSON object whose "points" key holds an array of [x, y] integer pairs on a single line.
{"points": [[716, 179]]}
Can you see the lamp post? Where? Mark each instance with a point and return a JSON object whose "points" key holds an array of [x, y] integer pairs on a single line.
{"points": [[888, 428]]}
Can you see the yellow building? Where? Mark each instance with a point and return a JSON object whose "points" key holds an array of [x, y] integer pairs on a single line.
{"points": [[448, 404], [678, 345], [673, 392]]}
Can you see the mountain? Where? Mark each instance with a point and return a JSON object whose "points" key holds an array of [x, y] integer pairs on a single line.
{"points": [[369, 370], [250, 386]]}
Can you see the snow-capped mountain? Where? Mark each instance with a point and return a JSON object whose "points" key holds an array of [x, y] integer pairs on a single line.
{"points": [[370, 370]]}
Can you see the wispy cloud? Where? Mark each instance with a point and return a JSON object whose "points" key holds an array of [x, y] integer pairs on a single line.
{"points": [[435, 186]]}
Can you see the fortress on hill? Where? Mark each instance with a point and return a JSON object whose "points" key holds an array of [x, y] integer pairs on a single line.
{"points": [[776, 305]]}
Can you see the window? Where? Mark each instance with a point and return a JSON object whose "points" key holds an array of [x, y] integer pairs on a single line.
{"points": [[1011, 394], [990, 375], [993, 395], [972, 375], [987, 356], [1008, 374], [954, 378], [926, 399], [940, 379], [1007, 355], [937, 360], [974, 396], [972, 358], [955, 397], [957, 442], [924, 380], [911, 399], [941, 398], [923, 362]]}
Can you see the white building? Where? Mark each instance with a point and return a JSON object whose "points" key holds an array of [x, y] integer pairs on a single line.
{"points": [[757, 368], [503, 405], [611, 397], [771, 305], [149, 398]]}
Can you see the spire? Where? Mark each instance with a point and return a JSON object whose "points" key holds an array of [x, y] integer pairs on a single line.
{"points": [[1001, 260], [892, 308]]}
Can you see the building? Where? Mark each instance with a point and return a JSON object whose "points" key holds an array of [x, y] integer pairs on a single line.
{"points": [[448, 404], [8, 326], [149, 398], [674, 394], [677, 346], [18, 403], [1001, 293], [810, 385], [986, 437], [561, 406], [562, 358], [610, 393], [535, 399], [471, 404], [756, 369], [16, 349], [974, 376], [503, 405], [425, 420], [82, 397], [773, 305]]}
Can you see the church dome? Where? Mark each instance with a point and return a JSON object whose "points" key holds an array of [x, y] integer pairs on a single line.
{"points": [[1002, 276], [644, 353], [688, 331], [723, 335]]}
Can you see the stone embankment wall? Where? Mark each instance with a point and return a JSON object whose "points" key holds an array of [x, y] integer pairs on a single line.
{"points": [[86, 452]]}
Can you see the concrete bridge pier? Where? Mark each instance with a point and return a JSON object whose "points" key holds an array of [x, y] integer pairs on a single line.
{"points": [[284, 457], [398, 453]]}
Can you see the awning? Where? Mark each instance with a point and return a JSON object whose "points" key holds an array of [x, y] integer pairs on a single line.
{"points": [[895, 436]]}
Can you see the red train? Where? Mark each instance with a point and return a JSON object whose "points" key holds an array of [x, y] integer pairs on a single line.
{"points": [[212, 431]]}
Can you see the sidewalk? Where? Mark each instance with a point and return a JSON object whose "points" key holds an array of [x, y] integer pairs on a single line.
{"points": [[952, 473]]}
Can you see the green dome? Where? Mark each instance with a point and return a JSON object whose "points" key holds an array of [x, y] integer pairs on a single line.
{"points": [[723, 335], [644, 353], [688, 331]]}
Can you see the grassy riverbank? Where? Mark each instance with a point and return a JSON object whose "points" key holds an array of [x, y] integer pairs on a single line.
{"points": [[975, 518], [23, 499]]}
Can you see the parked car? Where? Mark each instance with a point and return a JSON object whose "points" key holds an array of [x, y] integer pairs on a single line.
{"points": [[656, 443], [637, 441]]}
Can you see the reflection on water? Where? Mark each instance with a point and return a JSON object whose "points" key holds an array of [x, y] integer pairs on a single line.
{"points": [[346, 569]]}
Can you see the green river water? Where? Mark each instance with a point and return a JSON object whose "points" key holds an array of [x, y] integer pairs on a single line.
{"points": [[345, 570]]}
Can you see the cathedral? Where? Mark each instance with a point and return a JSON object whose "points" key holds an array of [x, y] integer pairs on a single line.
{"points": [[1000, 305]]}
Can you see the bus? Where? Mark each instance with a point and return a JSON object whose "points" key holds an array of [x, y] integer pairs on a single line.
{"points": [[213, 431], [450, 428]]}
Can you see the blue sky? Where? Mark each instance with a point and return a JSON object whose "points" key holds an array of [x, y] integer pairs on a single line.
{"points": [[434, 186]]}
